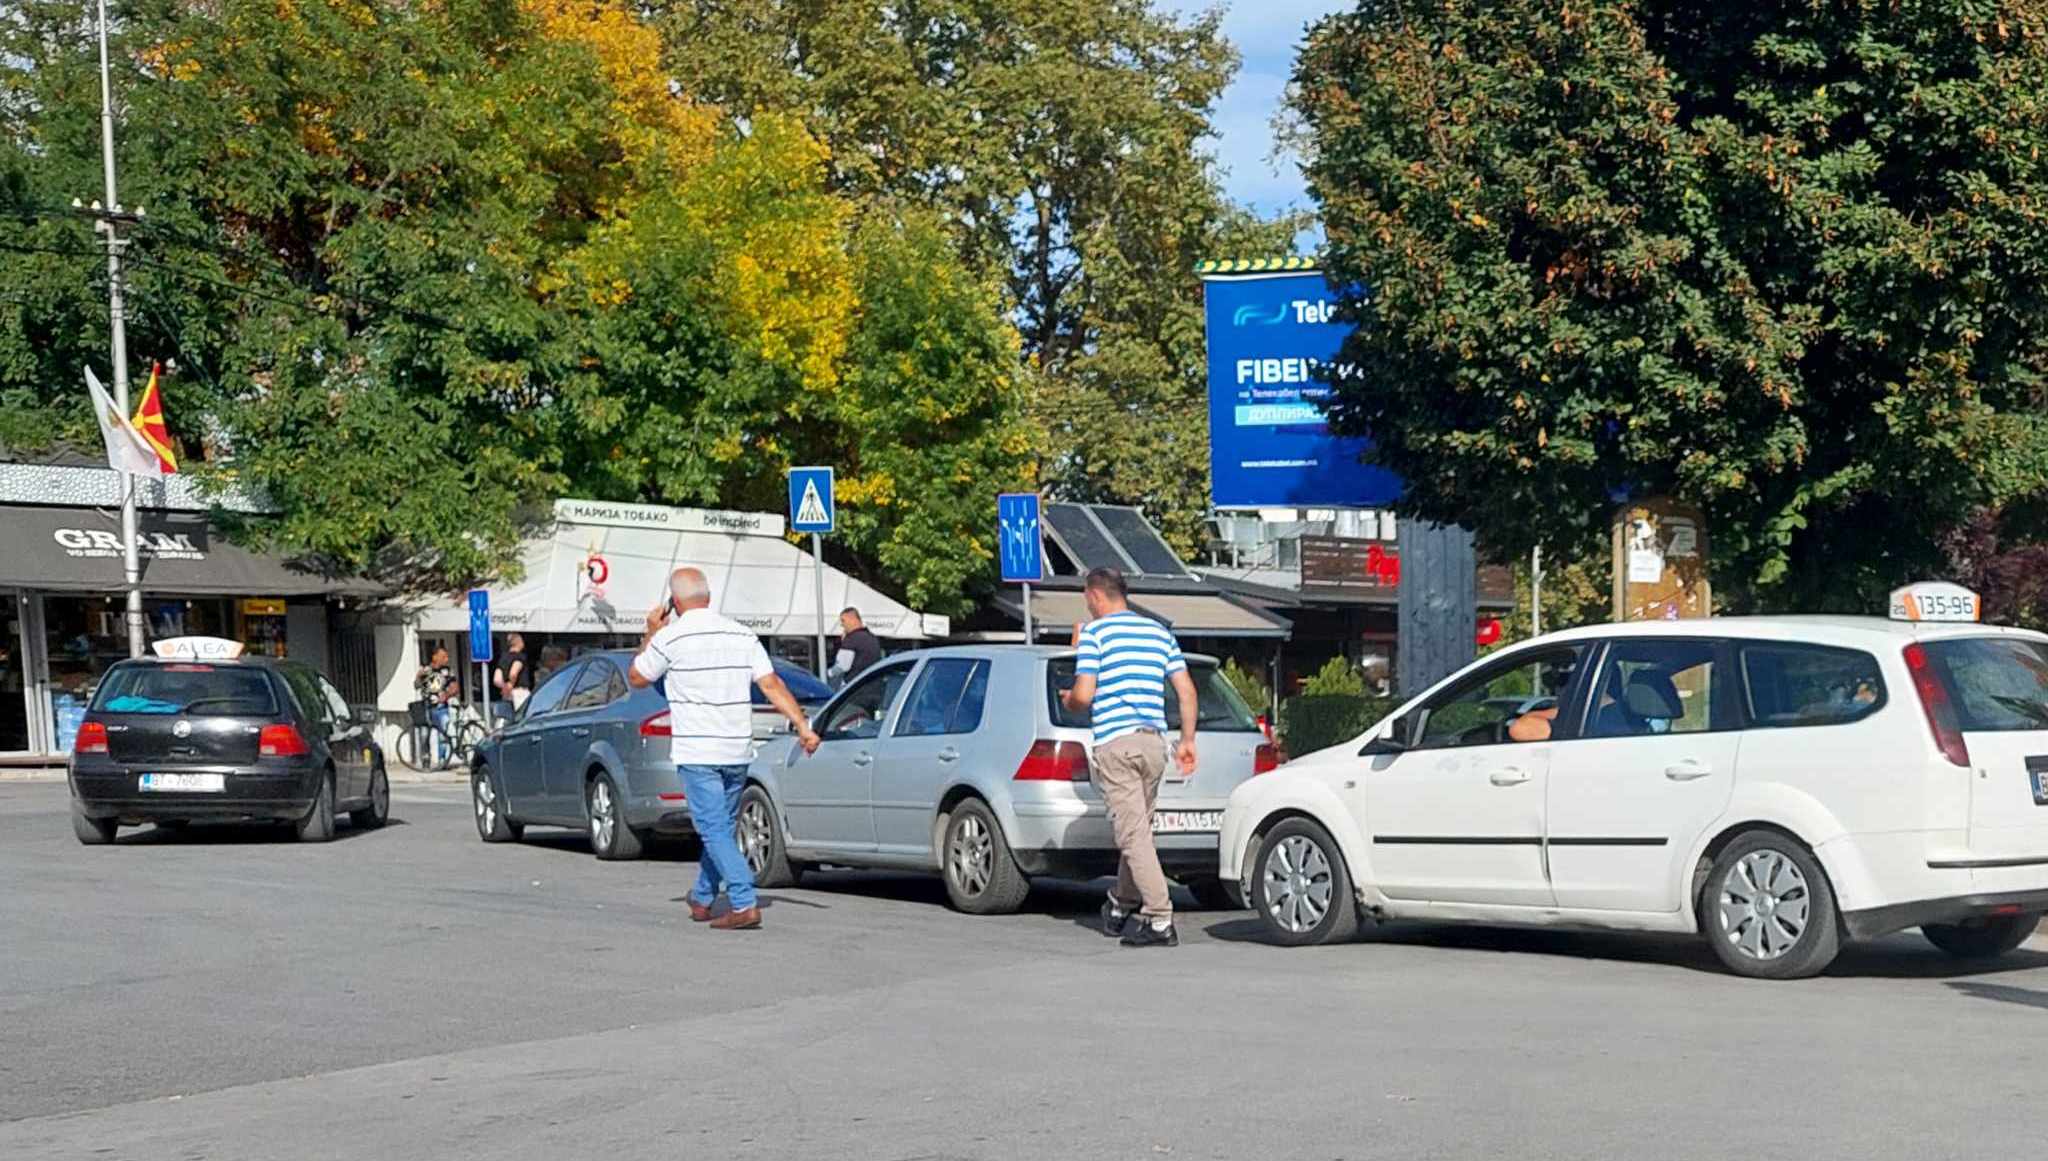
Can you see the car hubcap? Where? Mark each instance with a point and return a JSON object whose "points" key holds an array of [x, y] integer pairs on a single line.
{"points": [[1764, 905], [1298, 880], [971, 856], [486, 806], [754, 834], [601, 821]]}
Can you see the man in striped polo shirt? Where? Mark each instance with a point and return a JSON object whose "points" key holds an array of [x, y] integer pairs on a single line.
{"points": [[707, 665], [1126, 662]]}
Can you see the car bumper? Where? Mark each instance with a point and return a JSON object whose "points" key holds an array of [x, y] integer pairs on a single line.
{"points": [[1875, 921], [655, 801], [1181, 856], [113, 791]]}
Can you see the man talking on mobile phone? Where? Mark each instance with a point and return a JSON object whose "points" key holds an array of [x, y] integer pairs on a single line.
{"points": [[1124, 665], [708, 662]]}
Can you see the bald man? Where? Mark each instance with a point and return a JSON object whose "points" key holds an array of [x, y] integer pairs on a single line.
{"points": [[709, 662]]}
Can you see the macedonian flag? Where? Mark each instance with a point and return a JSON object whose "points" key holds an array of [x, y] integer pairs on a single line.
{"points": [[149, 421]]}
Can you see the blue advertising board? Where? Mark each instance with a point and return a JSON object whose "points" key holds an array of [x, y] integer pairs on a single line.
{"points": [[1019, 540], [479, 625], [1270, 338]]}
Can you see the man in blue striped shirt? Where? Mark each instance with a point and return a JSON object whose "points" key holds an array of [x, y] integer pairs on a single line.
{"points": [[1126, 662]]}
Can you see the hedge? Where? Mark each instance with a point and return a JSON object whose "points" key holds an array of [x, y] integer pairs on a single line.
{"points": [[1317, 721]]}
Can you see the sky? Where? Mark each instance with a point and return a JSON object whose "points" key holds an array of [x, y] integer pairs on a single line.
{"points": [[1266, 33]]}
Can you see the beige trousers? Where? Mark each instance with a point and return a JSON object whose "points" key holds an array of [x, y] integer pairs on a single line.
{"points": [[1127, 772]]}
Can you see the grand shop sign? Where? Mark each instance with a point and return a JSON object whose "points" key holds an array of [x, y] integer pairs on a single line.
{"points": [[98, 542]]}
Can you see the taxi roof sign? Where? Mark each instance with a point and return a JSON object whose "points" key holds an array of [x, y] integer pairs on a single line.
{"points": [[197, 648], [1936, 601]]}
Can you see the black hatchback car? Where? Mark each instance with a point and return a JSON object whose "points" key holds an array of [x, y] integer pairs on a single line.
{"points": [[171, 741]]}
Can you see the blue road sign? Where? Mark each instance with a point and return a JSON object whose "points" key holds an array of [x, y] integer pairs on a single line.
{"points": [[1020, 544], [810, 500], [479, 625], [1272, 340]]}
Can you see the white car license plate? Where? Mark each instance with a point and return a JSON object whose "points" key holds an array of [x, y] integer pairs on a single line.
{"points": [[1186, 821], [200, 783]]}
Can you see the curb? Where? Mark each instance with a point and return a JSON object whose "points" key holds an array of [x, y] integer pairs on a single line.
{"points": [[400, 776], [51, 774]]}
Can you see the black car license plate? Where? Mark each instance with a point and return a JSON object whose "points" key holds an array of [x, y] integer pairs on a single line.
{"points": [[2037, 772]]}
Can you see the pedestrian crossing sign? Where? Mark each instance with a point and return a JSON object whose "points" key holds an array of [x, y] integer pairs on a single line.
{"points": [[810, 500]]}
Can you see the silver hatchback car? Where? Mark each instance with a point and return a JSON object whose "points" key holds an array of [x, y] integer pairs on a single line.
{"points": [[961, 760]]}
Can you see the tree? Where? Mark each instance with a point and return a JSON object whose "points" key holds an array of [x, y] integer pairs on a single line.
{"points": [[1781, 260], [1061, 142]]}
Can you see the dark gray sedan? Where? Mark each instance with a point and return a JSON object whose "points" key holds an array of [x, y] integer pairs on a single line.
{"points": [[591, 752]]}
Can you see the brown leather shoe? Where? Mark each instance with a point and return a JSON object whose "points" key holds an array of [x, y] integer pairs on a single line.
{"points": [[746, 920], [699, 913]]}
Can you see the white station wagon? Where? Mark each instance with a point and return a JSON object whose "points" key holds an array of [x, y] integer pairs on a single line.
{"points": [[1779, 785]]}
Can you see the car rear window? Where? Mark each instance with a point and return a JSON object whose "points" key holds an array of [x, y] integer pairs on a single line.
{"points": [[1997, 683], [1222, 711], [802, 686], [1809, 685], [194, 690]]}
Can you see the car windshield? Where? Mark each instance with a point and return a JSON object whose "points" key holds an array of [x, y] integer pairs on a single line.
{"points": [[802, 686], [1997, 683], [1220, 708], [192, 689]]}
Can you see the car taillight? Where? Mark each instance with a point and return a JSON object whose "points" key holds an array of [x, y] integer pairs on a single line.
{"points": [[282, 741], [656, 726], [1265, 758], [1050, 761], [92, 739], [1941, 712]]}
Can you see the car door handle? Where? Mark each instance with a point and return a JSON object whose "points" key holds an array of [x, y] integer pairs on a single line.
{"points": [[1508, 776], [1687, 770], [949, 754], [580, 732], [863, 759]]}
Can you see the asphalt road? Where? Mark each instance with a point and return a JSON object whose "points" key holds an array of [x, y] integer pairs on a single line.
{"points": [[414, 993]]}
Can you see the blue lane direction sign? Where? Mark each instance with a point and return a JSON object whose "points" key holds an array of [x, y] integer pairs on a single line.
{"points": [[810, 500], [1020, 545], [480, 625]]}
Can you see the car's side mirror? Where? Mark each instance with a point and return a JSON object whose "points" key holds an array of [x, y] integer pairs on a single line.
{"points": [[1393, 740]]}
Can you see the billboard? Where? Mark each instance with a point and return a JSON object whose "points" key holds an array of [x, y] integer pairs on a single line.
{"points": [[1270, 336]]}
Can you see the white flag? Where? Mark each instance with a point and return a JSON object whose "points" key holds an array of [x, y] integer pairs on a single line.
{"points": [[127, 451]]}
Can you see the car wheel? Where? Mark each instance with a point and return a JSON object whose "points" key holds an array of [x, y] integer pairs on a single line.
{"points": [[1768, 910], [1986, 938], [491, 824], [318, 825], [93, 832], [760, 837], [379, 811], [1214, 894], [982, 876], [1301, 887], [610, 837]]}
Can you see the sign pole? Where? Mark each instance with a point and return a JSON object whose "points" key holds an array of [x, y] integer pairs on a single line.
{"points": [[818, 590], [1029, 639], [1536, 591]]}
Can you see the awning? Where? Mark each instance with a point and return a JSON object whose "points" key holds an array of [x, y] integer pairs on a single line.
{"points": [[79, 550], [1053, 613], [591, 578]]}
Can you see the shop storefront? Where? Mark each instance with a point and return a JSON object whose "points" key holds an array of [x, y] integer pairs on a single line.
{"points": [[62, 608]]}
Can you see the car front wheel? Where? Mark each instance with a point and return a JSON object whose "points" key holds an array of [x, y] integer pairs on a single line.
{"points": [[1986, 938], [1301, 887], [1769, 910]]}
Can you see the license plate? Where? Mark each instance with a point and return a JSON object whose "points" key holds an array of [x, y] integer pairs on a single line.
{"points": [[1186, 821], [2037, 770], [187, 783]]}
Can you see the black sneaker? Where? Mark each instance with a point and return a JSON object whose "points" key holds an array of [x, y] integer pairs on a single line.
{"points": [[1143, 934], [1115, 922]]}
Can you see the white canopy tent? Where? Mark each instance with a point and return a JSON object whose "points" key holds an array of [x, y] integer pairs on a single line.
{"points": [[606, 565]]}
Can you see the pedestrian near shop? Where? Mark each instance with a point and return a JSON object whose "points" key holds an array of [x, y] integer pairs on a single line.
{"points": [[707, 664], [857, 650], [1125, 663], [514, 676], [438, 688]]}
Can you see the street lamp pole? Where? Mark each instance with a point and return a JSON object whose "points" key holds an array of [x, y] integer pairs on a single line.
{"points": [[109, 223]]}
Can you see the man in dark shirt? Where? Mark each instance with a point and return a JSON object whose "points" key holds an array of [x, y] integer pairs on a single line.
{"points": [[858, 648]]}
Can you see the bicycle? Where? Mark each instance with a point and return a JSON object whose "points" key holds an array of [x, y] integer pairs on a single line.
{"points": [[429, 748]]}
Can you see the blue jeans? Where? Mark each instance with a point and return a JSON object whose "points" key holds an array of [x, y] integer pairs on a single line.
{"points": [[714, 793], [439, 739]]}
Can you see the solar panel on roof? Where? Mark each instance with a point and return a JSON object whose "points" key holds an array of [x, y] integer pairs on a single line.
{"points": [[1140, 542], [1084, 541]]}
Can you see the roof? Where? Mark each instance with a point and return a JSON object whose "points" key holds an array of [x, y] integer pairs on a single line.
{"points": [[1111, 536], [1189, 609], [1818, 629]]}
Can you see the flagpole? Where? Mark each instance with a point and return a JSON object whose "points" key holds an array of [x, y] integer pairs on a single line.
{"points": [[131, 558]]}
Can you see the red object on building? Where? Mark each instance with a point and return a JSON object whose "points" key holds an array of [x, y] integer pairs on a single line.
{"points": [[1489, 631]]}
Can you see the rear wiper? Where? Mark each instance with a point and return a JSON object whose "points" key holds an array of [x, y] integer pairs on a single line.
{"points": [[2032, 710]]}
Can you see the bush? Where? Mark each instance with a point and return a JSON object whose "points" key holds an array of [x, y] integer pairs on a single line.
{"points": [[1249, 686], [1338, 676], [1317, 721]]}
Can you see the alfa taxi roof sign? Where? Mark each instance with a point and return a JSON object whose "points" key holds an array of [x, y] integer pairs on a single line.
{"points": [[1936, 601], [197, 648]]}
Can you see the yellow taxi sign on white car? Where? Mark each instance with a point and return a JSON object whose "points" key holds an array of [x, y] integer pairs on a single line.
{"points": [[1936, 601], [197, 648]]}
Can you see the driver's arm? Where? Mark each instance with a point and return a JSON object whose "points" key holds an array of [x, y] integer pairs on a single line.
{"points": [[1533, 726]]}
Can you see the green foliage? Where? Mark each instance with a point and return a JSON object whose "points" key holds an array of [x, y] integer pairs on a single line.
{"points": [[1784, 261], [1338, 677], [1250, 686], [1317, 721]]}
